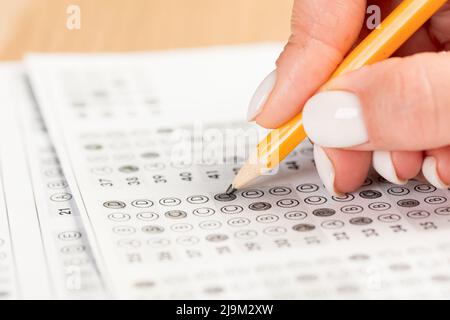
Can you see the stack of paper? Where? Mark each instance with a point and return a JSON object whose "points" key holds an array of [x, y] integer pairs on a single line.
{"points": [[112, 171]]}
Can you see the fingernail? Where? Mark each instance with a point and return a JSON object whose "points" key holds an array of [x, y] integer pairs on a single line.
{"points": [[325, 169], [429, 170], [334, 119], [382, 163], [260, 96]]}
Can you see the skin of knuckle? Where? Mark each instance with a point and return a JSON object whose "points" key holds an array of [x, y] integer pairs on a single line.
{"points": [[412, 109], [408, 101]]}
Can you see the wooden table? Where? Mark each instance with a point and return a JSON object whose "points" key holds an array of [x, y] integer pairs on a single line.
{"points": [[129, 25]]}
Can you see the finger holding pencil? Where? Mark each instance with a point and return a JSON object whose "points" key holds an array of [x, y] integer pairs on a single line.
{"points": [[345, 116]]}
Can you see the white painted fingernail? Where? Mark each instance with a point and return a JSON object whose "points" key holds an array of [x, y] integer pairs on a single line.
{"points": [[260, 96], [325, 170], [334, 119], [382, 163], [429, 170]]}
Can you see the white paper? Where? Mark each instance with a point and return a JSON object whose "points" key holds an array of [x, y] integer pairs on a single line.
{"points": [[125, 128], [9, 287], [52, 254]]}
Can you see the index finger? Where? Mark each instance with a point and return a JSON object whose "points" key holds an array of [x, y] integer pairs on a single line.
{"points": [[322, 33]]}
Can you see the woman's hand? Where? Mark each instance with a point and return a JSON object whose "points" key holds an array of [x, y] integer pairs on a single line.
{"points": [[394, 114]]}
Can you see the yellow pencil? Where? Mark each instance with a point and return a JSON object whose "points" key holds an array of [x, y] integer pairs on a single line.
{"points": [[380, 44]]}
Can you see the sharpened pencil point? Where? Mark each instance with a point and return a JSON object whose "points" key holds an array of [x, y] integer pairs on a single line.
{"points": [[230, 190]]}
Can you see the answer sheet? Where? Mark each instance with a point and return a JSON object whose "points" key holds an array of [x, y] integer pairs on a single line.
{"points": [[148, 144], [51, 251]]}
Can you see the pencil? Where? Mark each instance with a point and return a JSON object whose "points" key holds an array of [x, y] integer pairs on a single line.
{"points": [[380, 44]]}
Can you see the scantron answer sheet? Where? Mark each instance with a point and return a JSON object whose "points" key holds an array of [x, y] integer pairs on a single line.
{"points": [[47, 253], [148, 144]]}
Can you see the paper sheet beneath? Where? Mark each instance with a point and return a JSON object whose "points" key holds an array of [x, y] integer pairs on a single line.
{"points": [[127, 129], [50, 255]]}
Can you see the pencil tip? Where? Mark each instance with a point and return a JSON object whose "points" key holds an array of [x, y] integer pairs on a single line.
{"points": [[230, 190]]}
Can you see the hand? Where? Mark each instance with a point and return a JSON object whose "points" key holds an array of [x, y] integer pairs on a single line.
{"points": [[394, 114]]}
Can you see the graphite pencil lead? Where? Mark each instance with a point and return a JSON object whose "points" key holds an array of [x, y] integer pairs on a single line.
{"points": [[230, 190]]}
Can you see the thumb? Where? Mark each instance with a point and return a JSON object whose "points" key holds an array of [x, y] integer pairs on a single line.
{"points": [[397, 104]]}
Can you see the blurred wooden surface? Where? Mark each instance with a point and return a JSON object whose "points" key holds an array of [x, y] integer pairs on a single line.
{"points": [[128, 25]]}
